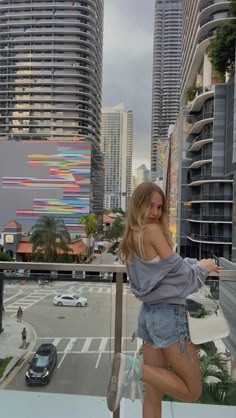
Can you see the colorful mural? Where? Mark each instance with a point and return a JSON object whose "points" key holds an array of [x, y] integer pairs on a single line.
{"points": [[161, 150], [69, 172]]}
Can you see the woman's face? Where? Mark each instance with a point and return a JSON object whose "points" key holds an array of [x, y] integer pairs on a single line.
{"points": [[156, 208]]}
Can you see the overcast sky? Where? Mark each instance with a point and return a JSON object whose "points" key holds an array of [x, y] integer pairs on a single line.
{"points": [[127, 66]]}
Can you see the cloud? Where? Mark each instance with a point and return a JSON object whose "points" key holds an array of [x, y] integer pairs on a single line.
{"points": [[127, 66]]}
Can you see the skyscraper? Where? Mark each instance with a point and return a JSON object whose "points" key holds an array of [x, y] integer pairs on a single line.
{"points": [[50, 102], [50, 69], [166, 72], [206, 192], [116, 144]]}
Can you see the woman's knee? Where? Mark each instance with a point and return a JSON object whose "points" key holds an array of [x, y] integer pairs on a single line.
{"points": [[195, 393]]}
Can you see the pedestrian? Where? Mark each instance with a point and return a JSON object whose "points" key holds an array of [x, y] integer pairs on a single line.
{"points": [[161, 280], [24, 335], [19, 314]]}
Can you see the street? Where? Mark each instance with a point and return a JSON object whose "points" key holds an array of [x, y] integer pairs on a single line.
{"points": [[84, 337]]}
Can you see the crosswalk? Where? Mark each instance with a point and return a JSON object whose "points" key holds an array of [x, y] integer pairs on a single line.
{"points": [[91, 345], [26, 298], [25, 301]]}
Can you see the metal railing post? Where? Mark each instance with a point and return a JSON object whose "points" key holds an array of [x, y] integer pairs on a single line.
{"points": [[118, 321]]}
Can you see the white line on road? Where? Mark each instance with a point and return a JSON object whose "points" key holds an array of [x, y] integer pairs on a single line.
{"points": [[14, 296], [67, 350], [56, 341], [86, 345], [101, 349]]}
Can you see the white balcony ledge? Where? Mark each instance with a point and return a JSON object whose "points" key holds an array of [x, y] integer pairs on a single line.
{"points": [[53, 405]]}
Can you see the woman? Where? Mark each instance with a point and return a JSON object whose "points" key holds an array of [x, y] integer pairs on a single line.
{"points": [[162, 280], [24, 335]]}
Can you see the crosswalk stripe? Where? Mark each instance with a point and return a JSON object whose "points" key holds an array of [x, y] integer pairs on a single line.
{"points": [[103, 344], [86, 345], [56, 341]]}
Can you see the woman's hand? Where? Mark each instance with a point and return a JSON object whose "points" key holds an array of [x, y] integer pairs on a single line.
{"points": [[209, 265]]}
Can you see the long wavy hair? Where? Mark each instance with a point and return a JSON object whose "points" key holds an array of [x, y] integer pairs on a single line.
{"points": [[136, 218]]}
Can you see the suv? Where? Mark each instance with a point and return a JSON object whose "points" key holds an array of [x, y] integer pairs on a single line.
{"points": [[41, 365]]}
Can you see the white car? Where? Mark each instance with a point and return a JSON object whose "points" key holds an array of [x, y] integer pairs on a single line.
{"points": [[70, 300]]}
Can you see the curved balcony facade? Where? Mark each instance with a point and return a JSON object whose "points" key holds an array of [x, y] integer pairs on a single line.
{"points": [[51, 69]]}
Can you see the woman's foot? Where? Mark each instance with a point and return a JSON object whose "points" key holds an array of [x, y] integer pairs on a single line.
{"points": [[125, 371]]}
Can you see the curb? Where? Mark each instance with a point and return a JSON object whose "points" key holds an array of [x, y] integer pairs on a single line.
{"points": [[16, 359]]}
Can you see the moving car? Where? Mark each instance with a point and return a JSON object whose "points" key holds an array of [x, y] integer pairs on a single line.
{"points": [[70, 300], [41, 365]]}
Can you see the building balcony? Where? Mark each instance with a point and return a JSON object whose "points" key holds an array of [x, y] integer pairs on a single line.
{"points": [[210, 218], [212, 6], [200, 160], [84, 363], [212, 196], [204, 4], [199, 121], [206, 178], [198, 142], [210, 239], [203, 94]]}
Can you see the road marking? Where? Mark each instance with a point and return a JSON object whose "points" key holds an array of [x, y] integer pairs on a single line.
{"points": [[70, 344], [61, 360], [67, 350], [14, 296], [56, 341], [86, 345], [101, 349]]}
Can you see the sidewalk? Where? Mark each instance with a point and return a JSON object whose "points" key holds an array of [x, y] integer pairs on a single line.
{"points": [[11, 343]]}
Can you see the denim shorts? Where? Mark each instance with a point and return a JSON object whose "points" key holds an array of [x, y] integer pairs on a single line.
{"points": [[163, 324]]}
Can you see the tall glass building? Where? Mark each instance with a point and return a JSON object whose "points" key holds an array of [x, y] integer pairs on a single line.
{"points": [[206, 190], [50, 69], [166, 73]]}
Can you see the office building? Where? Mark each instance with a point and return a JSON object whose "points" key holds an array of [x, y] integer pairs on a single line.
{"points": [[166, 73], [141, 173], [116, 145], [205, 201]]}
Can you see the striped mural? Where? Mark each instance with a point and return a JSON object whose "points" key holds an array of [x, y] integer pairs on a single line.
{"points": [[70, 172]]}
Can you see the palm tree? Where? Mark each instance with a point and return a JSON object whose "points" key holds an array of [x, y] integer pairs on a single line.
{"points": [[49, 235], [217, 384], [90, 222]]}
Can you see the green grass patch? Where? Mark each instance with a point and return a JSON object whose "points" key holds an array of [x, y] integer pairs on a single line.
{"points": [[3, 364]]}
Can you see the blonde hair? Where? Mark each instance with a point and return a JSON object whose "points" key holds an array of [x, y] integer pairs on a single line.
{"points": [[136, 218]]}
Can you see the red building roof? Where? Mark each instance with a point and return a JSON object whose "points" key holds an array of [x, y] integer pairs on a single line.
{"points": [[77, 247], [12, 224], [107, 219]]}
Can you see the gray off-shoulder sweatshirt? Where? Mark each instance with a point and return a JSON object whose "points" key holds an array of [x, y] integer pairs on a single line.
{"points": [[169, 280]]}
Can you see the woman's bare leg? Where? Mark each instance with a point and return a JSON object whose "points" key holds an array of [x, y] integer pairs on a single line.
{"points": [[152, 397], [185, 382]]}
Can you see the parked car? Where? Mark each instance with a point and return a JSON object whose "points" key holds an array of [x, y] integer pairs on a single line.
{"points": [[70, 300], [41, 365]]}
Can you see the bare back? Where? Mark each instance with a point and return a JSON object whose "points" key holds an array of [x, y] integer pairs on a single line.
{"points": [[150, 243]]}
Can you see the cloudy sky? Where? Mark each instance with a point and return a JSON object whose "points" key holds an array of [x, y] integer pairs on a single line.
{"points": [[127, 66]]}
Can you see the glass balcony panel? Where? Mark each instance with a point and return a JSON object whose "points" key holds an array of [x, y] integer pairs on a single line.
{"points": [[109, 305]]}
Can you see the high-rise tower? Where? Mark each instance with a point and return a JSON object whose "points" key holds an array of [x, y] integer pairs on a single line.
{"points": [[116, 145], [166, 72], [50, 69], [206, 192]]}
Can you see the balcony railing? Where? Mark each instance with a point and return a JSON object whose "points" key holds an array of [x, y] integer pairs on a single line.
{"points": [[61, 405], [210, 217], [212, 238], [202, 157], [204, 115], [211, 196]]}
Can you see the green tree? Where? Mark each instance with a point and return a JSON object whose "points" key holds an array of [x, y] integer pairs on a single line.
{"points": [[116, 230], [221, 50], [90, 222], [5, 257], [233, 7], [49, 235]]}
